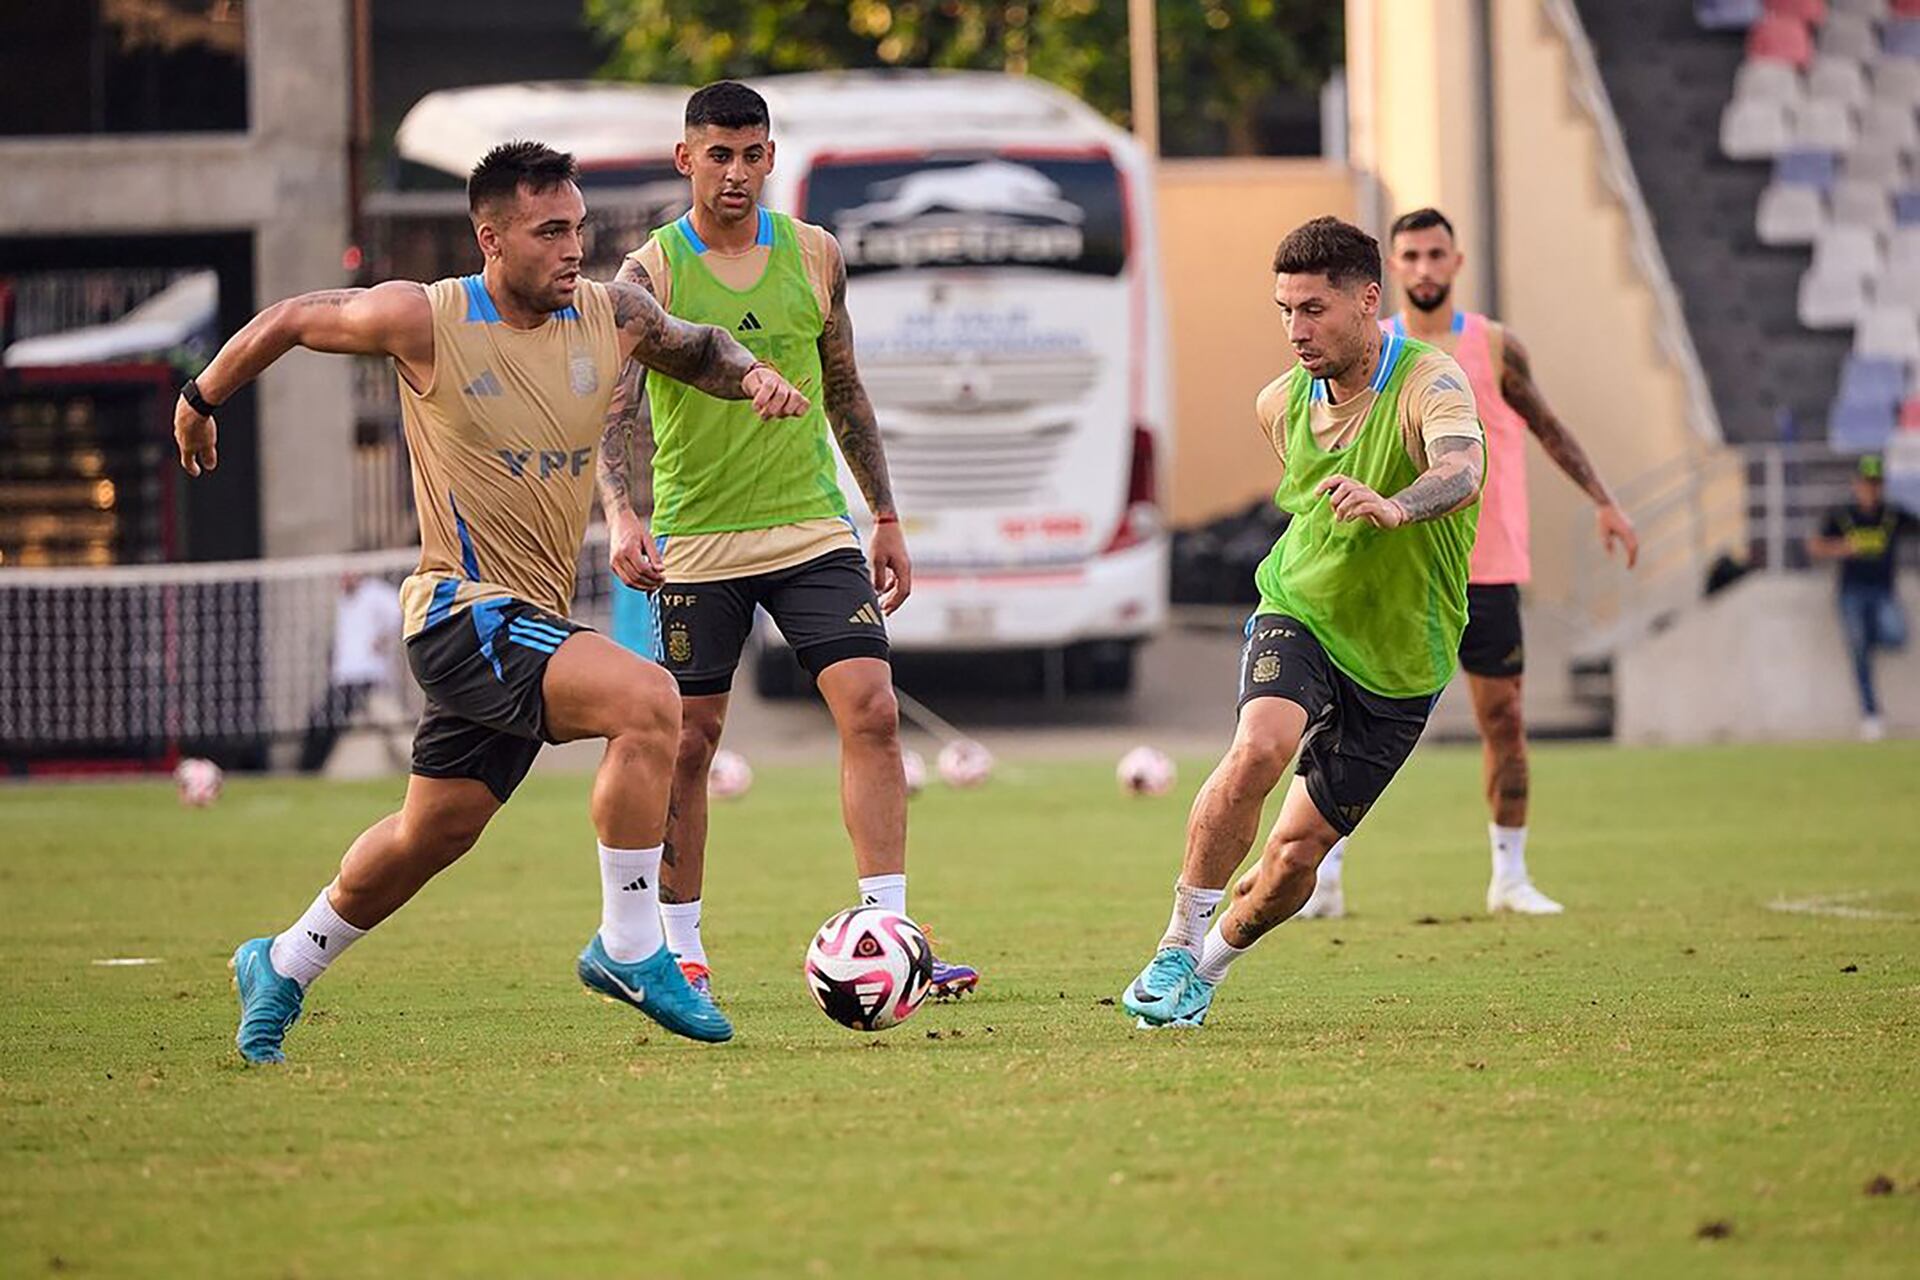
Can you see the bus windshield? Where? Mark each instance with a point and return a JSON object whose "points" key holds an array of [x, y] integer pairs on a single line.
{"points": [[973, 210]]}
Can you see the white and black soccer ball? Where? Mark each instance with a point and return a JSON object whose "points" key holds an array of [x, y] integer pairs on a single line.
{"points": [[198, 781], [965, 763], [869, 968], [729, 776], [1145, 771], [914, 765]]}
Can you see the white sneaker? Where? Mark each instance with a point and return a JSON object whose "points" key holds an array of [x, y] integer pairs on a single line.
{"points": [[1328, 902], [1520, 896], [1872, 729]]}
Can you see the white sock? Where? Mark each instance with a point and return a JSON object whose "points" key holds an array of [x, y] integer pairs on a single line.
{"points": [[630, 902], [682, 921], [1509, 853], [889, 893], [1216, 954], [315, 941], [1192, 908], [1334, 862]]}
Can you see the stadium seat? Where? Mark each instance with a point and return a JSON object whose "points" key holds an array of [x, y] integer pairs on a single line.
{"points": [[1889, 330], [1813, 11], [1870, 380], [1754, 129], [1894, 79], [1902, 37], [1875, 9], [1840, 79], [1727, 15], [1781, 39], [1849, 35], [1814, 169], [1899, 282], [1831, 301], [1906, 208], [1904, 245], [1859, 428], [1910, 415], [1767, 82], [1876, 162], [1823, 125], [1906, 8], [1861, 203], [1891, 124], [1841, 249], [1789, 215]]}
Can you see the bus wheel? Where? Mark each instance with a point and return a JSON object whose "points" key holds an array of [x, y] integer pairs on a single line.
{"points": [[1100, 666]]}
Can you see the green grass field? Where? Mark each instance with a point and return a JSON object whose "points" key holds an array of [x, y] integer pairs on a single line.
{"points": [[1416, 1090]]}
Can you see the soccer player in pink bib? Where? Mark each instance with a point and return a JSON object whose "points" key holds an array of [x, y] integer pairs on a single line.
{"points": [[1424, 258]]}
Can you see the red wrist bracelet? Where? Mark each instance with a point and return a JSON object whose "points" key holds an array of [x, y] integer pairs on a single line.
{"points": [[889, 518]]}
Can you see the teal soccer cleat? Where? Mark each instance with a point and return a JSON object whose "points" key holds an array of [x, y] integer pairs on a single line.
{"points": [[656, 987], [269, 1003], [1151, 995], [1190, 1004]]}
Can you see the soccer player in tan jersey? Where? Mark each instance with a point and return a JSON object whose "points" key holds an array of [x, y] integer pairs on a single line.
{"points": [[1424, 258], [743, 520], [505, 379]]}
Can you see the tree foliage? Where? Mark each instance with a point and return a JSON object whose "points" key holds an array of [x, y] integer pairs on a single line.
{"points": [[1220, 60]]}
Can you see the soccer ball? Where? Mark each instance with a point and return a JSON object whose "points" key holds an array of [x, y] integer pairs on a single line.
{"points": [[1145, 771], [729, 776], [965, 763], [198, 781], [869, 968], [914, 765]]}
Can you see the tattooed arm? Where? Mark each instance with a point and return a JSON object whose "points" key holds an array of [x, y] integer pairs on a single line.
{"points": [[1451, 481], [1518, 388], [626, 443], [702, 356], [392, 319], [858, 433]]}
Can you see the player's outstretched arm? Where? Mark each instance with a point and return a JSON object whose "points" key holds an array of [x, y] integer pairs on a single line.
{"points": [[706, 358], [1452, 480], [1518, 388], [626, 450], [392, 319], [857, 432]]}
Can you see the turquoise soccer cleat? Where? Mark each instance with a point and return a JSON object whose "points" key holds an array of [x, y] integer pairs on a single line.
{"points": [[1151, 995], [269, 1003], [656, 987], [1190, 1003]]}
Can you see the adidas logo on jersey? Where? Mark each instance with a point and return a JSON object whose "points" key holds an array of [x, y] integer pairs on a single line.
{"points": [[319, 939], [749, 321], [639, 882], [867, 614], [484, 385]]}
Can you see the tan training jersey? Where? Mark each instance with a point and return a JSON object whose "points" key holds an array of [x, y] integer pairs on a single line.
{"points": [[1436, 401], [503, 446], [714, 557]]}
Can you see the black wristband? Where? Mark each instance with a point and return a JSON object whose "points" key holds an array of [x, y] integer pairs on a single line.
{"points": [[195, 401]]}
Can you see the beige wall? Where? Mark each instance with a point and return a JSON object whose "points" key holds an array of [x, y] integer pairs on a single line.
{"points": [[1219, 223]]}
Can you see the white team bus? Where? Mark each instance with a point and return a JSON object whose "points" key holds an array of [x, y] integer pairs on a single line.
{"points": [[1004, 286]]}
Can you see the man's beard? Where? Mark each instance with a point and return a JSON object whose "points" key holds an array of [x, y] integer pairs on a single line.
{"points": [[1433, 303]]}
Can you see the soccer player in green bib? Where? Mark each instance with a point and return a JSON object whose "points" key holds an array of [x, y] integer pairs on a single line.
{"points": [[1362, 602], [744, 517]]}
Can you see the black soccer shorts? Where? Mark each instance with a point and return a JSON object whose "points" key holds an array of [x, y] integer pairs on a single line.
{"points": [[1492, 644]]}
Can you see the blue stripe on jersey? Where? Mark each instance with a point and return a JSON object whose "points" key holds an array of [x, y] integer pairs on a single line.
{"points": [[486, 626], [685, 223], [480, 308], [765, 234], [1459, 322], [468, 559], [1388, 351], [442, 604], [1399, 325], [636, 621], [566, 313], [553, 634], [526, 642]]}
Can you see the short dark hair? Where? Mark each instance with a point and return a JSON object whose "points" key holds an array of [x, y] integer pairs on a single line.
{"points": [[1327, 246], [1420, 220], [512, 165], [727, 104]]}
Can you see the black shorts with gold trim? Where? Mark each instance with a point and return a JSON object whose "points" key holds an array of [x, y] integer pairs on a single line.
{"points": [[1492, 645]]}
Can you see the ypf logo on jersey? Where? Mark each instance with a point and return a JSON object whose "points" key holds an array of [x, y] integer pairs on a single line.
{"points": [[582, 374]]}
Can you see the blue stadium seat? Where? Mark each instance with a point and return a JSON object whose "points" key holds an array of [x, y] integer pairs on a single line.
{"points": [[1906, 207], [1902, 37], [1859, 428], [1870, 380], [1805, 169], [1727, 15]]}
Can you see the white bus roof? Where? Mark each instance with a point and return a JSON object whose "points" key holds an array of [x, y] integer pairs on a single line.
{"points": [[607, 122]]}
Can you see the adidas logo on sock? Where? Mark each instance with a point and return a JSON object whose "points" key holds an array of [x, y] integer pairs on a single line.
{"points": [[869, 901], [639, 882], [867, 614], [484, 385], [749, 321], [319, 939]]}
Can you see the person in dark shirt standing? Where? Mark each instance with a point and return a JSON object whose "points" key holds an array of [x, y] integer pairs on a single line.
{"points": [[1864, 536]]}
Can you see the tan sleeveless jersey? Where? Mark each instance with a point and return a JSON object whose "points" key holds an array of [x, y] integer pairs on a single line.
{"points": [[503, 445]]}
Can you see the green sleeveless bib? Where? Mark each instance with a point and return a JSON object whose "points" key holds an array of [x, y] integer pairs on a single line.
{"points": [[1388, 605], [718, 467]]}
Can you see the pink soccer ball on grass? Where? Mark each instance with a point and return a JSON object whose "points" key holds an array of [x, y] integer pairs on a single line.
{"points": [[1145, 771], [869, 968], [198, 782], [729, 776], [965, 763]]}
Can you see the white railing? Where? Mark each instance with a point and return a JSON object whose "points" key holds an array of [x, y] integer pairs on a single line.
{"points": [[1616, 172]]}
